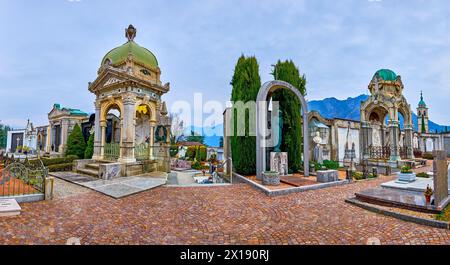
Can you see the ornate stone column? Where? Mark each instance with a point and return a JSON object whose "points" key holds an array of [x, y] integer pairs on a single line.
{"points": [[152, 138], [128, 128], [103, 139], [97, 133], [64, 135], [48, 143], [366, 139], [393, 135], [408, 141]]}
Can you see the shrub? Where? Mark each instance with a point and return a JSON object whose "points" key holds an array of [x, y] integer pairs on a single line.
{"points": [[196, 165], [331, 164], [422, 175], [89, 152], [60, 167], [53, 161], [173, 150], [358, 175], [75, 143], [428, 156], [406, 170], [190, 153]]}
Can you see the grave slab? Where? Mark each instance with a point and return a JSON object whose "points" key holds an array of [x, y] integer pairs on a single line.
{"points": [[9, 207]]}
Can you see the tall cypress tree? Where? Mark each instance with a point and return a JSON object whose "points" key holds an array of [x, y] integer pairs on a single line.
{"points": [[75, 143], [290, 107], [246, 83]]}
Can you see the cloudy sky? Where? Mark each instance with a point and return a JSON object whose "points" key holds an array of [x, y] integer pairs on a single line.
{"points": [[51, 49]]}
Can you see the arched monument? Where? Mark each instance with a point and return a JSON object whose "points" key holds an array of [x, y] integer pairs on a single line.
{"points": [[264, 94], [128, 82], [386, 102]]}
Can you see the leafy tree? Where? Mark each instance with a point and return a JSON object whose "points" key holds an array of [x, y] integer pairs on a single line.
{"points": [[89, 152], [246, 83], [290, 107], [75, 143], [3, 135]]}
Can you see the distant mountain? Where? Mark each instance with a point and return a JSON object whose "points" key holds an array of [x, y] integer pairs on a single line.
{"points": [[350, 109], [212, 134], [329, 108]]}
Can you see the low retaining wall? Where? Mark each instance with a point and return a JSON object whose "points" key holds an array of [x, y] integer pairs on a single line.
{"points": [[26, 198], [273, 193]]}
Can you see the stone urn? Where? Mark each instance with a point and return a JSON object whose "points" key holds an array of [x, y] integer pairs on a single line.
{"points": [[270, 178]]}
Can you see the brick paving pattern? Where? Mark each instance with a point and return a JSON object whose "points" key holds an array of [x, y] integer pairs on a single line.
{"points": [[235, 214]]}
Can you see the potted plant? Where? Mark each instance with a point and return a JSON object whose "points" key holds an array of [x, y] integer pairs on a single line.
{"points": [[270, 178], [428, 193], [406, 175]]}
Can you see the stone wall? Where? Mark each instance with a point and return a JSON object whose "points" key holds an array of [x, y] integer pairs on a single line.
{"points": [[447, 145]]}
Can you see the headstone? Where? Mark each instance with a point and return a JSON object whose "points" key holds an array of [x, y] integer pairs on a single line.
{"points": [[9, 207], [279, 163], [440, 170]]}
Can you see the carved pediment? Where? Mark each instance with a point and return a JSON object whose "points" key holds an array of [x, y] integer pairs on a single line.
{"points": [[111, 81]]}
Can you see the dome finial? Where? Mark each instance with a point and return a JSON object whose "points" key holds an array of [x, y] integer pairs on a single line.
{"points": [[421, 95], [130, 33]]}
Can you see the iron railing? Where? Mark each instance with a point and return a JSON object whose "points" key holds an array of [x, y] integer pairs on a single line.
{"points": [[379, 152], [18, 179], [111, 151]]}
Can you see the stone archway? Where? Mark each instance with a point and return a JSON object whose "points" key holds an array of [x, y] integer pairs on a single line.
{"points": [[265, 92]]}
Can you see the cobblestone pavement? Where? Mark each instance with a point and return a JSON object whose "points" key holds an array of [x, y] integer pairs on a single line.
{"points": [[63, 189], [235, 214]]}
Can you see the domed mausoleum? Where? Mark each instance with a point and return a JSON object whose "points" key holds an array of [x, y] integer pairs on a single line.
{"points": [[129, 86], [381, 136]]}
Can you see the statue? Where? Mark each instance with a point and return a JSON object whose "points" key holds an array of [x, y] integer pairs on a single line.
{"points": [[318, 156], [280, 132]]}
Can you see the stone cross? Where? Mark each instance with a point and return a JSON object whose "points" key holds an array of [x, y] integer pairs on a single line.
{"points": [[440, 172]]}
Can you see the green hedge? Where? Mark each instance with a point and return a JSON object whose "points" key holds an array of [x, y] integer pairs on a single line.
{"points": [[60, 167], [59, 160], [428, 156], [53, 161]]}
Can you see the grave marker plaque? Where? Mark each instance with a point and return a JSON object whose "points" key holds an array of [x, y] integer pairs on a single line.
{"points": [[440, 176]]}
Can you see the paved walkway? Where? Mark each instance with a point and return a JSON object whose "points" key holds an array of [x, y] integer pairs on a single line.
{"points": [[116, 188], [234, 214]]}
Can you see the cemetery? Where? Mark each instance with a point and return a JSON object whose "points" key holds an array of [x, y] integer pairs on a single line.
{"points": [[126, 172]]}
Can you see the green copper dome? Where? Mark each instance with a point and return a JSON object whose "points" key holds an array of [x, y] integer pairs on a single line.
{"points": [[422, 102], [387, 75], [140, 54]]}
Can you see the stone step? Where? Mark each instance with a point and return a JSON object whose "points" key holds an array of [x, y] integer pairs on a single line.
{"points": [[93, 166], [90, 172], [135, 172], [105, 161], [135, 167]]}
